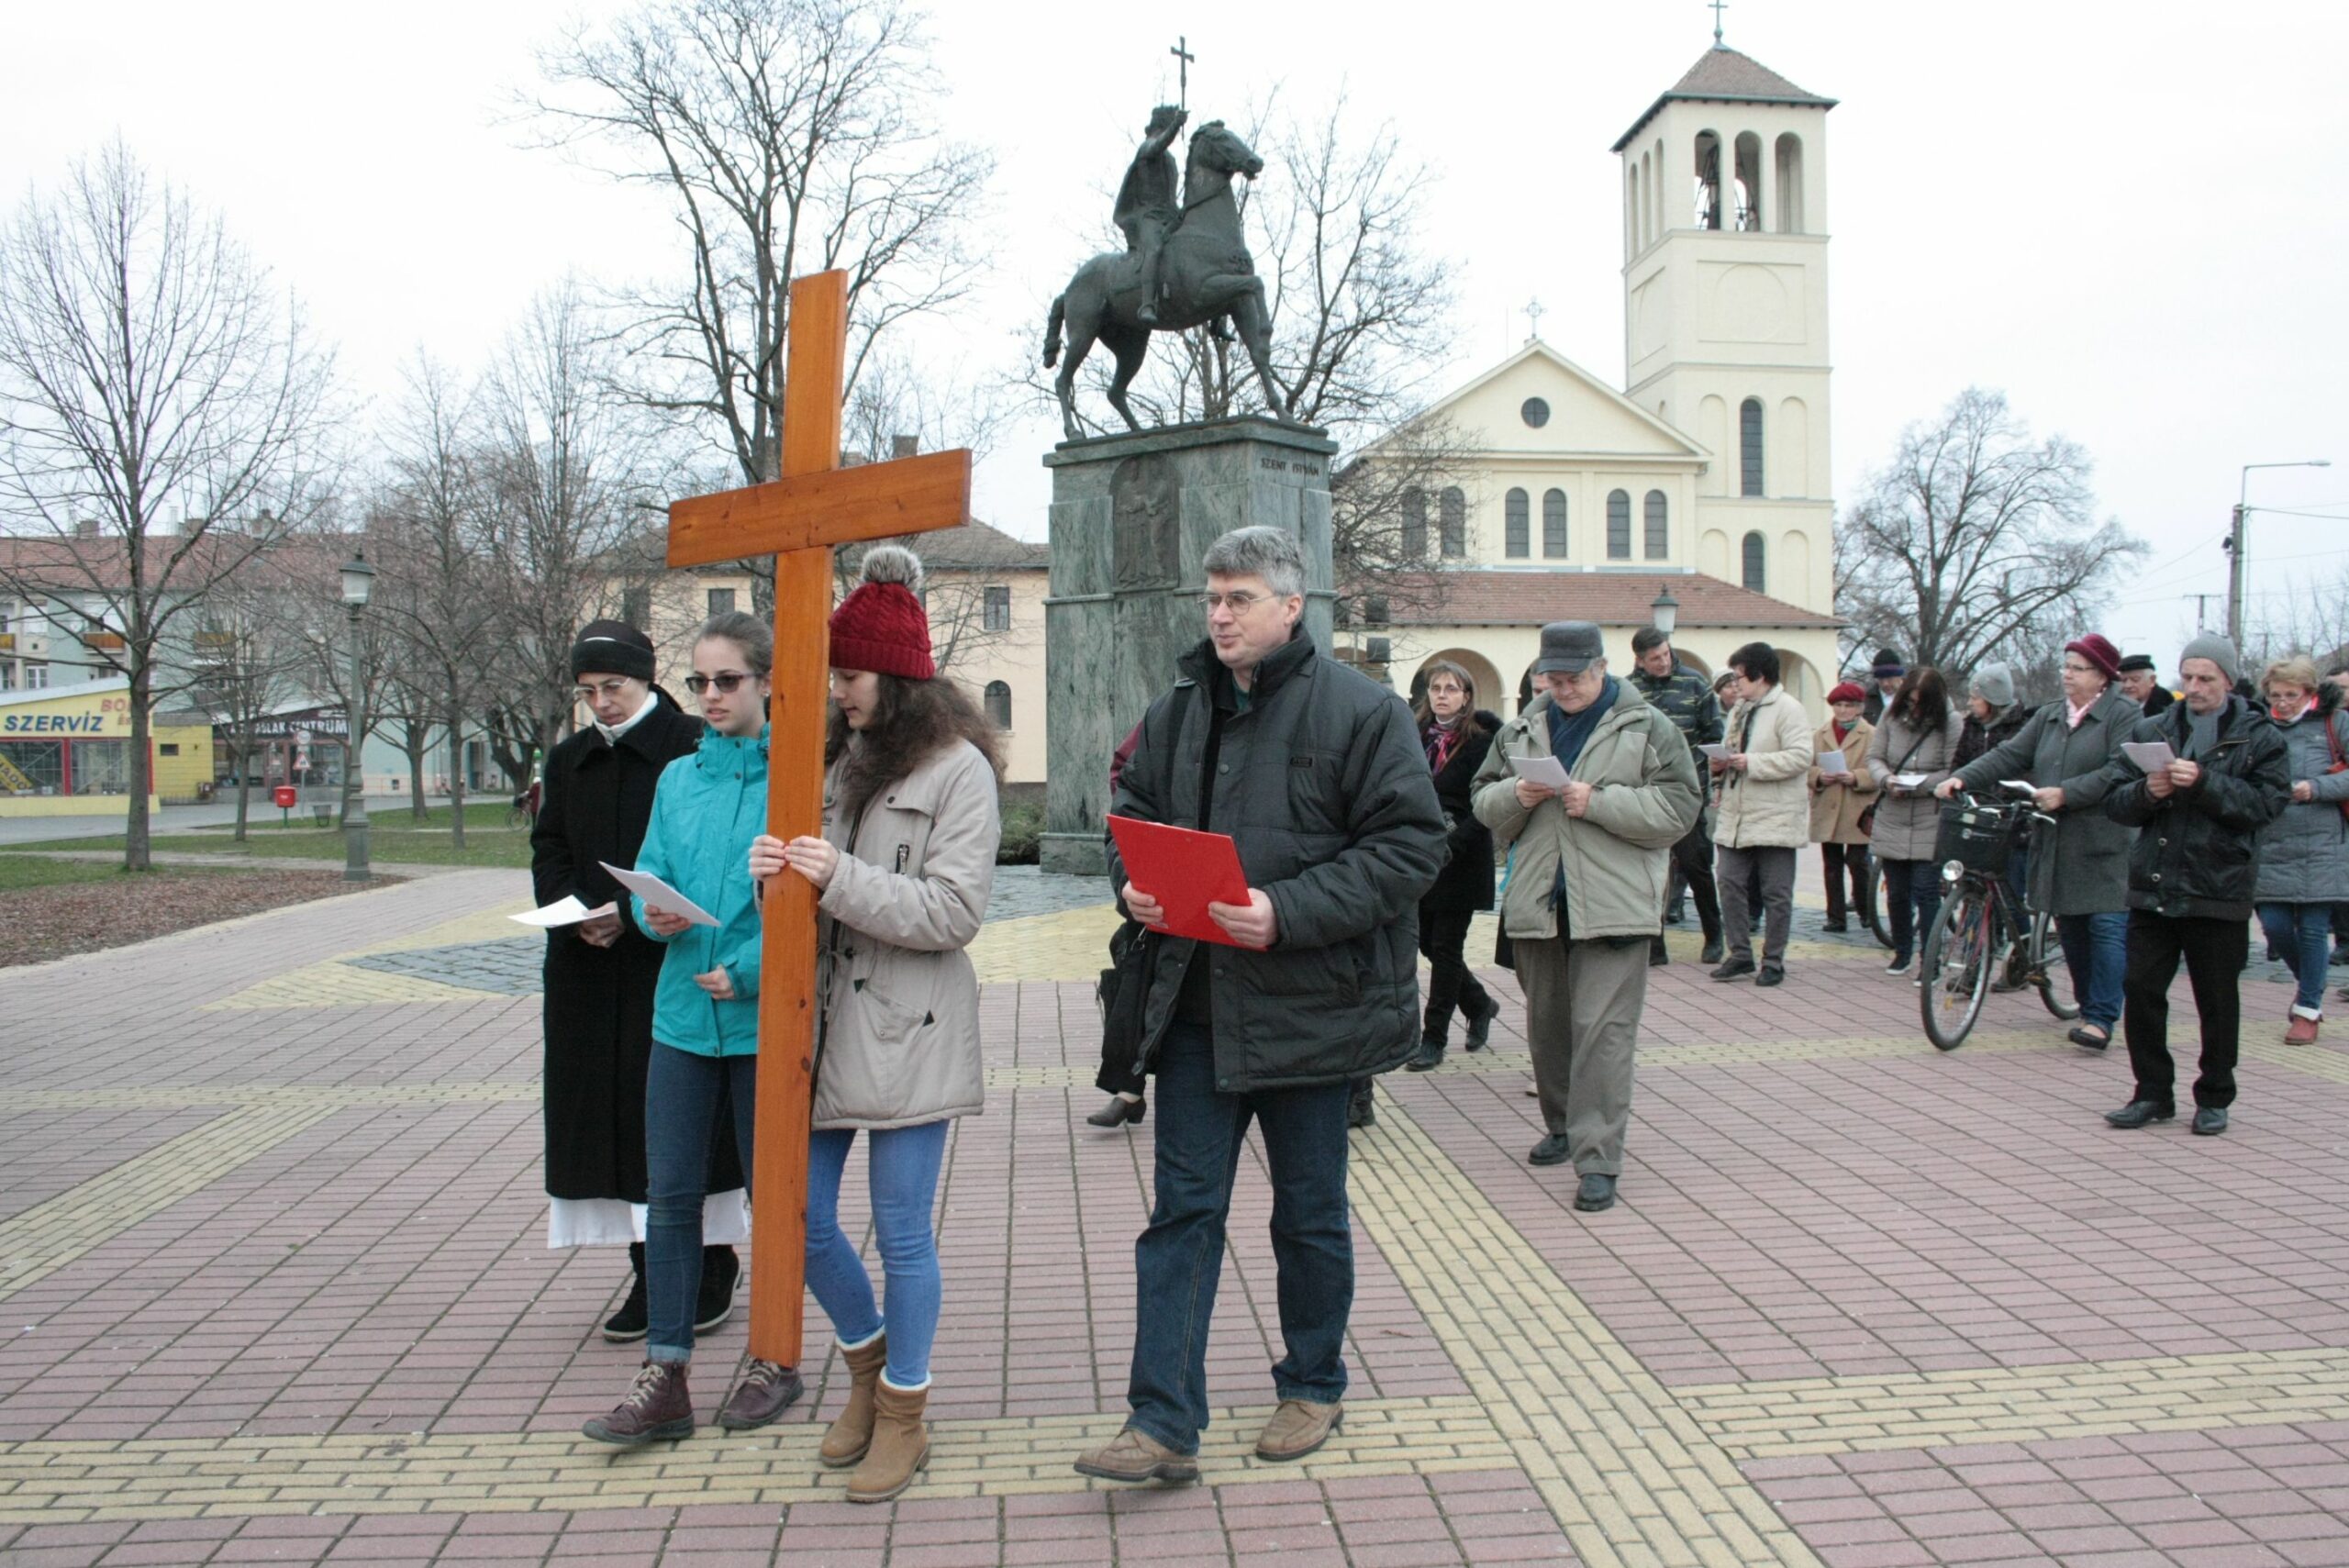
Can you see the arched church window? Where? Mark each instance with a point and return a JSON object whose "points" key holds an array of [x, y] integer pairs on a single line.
{"points": [[1516, 510], [1454, 519], [1659, 527], [1756, 575], [1708, 180], [1789, 183], [1553, 523], [1749, 447], [1748, 181], [1618, 525], [1415, 525], [998, 704]]}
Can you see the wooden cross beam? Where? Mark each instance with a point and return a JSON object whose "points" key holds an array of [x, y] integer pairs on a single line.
{"points": [[814, 506]]}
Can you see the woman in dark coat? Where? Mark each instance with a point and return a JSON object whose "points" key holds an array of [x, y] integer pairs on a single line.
{"points": [[1456, 735], [600, 974]]}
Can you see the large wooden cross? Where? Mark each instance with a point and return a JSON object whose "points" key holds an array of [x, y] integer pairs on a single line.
{"points": [[812, 506]]}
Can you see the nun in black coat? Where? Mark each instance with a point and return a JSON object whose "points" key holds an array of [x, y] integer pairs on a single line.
{"points": [[599, 977], [1465, 886]]}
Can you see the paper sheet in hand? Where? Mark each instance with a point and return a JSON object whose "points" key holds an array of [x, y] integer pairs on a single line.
{"points": [[2151, 755], [1183, 870], [1547, 771], [659, 895], [1717, 753], [1907, 781], [564, 911], [1831, 762]]}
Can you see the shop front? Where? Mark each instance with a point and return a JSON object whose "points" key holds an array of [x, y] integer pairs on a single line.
{"points": [[66, 752]]}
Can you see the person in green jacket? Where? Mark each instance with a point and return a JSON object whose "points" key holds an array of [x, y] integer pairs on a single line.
{"points": [[708, 808]]}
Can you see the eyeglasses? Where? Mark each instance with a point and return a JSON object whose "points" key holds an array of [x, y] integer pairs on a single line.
{"points": [[725, 681], [610, 690], [1240, 604]]}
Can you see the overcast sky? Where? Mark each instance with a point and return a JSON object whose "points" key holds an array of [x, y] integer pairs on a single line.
{"points": [[2132, 219]]}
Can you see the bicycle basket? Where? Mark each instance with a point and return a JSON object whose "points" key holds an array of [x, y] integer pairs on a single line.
{"points": [[1980, 837]]}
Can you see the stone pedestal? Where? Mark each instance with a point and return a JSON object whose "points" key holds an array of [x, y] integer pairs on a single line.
{"points": [[1131, 517]]}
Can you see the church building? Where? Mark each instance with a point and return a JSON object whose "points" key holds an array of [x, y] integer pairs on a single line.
{"points": [[1700, 491]]}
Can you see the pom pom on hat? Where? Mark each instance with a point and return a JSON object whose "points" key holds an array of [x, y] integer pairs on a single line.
{"points": [[882, 625]]}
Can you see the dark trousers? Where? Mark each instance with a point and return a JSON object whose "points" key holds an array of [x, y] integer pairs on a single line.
{"points": [[1692, 866], [1842, 861], [683, 1093], [1912, 898], [1443, 939], [1179, 1259], [1762, 878], [2214, 952]]}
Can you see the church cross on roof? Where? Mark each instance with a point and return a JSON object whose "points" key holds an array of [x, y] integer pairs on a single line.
{"points": [[1722, 75]]}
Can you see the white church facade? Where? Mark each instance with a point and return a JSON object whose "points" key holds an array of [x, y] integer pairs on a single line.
{"points": [[1705, 480]]}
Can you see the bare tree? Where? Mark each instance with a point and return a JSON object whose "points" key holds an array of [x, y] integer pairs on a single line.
{"points": [[327, 639], [788, 137], [1975, 540], [245, 665], [573, 498], [160, 406]]}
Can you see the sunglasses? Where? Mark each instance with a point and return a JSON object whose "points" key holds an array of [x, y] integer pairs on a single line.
{"points": [[725, 682]]}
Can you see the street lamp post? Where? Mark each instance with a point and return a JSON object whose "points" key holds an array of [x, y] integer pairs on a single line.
{"points": [[358, 582], [2236, 567], [1663, 610]]}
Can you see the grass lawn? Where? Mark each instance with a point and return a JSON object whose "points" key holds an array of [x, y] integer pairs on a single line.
{"points": [[30, 871], [393, 835]]}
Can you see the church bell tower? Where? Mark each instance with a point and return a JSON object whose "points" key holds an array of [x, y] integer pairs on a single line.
{"points": [[1725, 312]]}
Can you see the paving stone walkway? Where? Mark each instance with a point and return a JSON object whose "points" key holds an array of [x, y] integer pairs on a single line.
{"points": [[273, 1288]]}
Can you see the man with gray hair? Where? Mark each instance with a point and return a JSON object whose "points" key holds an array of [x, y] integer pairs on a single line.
{"points": [[1586, 886], [1315, 773]]}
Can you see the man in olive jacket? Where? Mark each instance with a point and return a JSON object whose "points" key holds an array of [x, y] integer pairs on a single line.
{"points": [[1586, 887], [2192, 875], [1316, 775]]}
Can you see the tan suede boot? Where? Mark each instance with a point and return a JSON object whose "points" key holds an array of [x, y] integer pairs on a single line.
{"points": [[900, 1445], [851, 1432]]}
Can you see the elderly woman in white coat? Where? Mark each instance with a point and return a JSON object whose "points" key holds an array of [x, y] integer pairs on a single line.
{"points": [[904, 866]]}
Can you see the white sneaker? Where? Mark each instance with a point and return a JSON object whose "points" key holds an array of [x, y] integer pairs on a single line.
{"points": [[1897, 966]]}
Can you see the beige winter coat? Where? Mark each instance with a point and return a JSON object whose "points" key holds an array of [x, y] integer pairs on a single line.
{"points": [[1768, 805], [1836, 810], [901, 1001]]}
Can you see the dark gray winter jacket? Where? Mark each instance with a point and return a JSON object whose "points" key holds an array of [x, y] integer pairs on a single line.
{"points": [[1321, 782]]}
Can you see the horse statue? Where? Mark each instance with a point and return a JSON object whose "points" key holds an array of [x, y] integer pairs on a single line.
{"points": [[1204, 273]]}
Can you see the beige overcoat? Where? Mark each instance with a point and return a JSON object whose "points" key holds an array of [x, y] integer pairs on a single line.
{"points": [[1768, 804], [901, 1001], [1836, 810]]}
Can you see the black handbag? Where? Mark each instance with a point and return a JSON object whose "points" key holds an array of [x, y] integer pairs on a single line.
{"points": [[1122, 994]]}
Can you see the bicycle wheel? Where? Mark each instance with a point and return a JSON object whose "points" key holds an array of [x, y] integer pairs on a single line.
{"points": [[2045, 949], [1879, 915], [1955, 973]]}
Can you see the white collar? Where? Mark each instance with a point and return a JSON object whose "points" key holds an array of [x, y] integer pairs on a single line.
{"points": [[612, 732]]}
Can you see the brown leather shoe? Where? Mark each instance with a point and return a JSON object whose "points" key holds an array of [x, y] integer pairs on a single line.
{"points": [[1297, 1427], [899, 1447], [658, 1407], [851, 1432], [767, 1391], [2300, 1031], [1134, 1455]]}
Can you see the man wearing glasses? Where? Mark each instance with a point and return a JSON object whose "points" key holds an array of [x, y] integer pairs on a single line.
{"points": [[600, 974], [1317, 773]]}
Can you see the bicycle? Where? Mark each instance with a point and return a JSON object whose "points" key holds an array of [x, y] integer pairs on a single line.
{"points": [[1981, 927]]}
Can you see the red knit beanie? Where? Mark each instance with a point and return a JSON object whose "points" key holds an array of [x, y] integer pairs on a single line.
{"points": [[1848, 691], [882, 625], [2098, 650]]}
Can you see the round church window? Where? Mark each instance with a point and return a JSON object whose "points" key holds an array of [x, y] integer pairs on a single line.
{"points": [[1536, 412]]}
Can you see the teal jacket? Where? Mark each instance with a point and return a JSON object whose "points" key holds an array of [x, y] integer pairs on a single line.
{"points": [[708, 808]]}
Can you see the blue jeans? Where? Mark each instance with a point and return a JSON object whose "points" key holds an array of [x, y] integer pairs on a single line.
{"points": [[2096, 949], [1179, 1259], [902, 1170], [681, 1096], [2303, 934]]}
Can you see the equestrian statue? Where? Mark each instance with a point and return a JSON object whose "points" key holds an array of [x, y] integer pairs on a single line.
{"points": [[1185, 265]]}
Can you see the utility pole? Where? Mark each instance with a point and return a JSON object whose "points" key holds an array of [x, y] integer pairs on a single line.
{"points": [[2234, 577], [2201, 610]]}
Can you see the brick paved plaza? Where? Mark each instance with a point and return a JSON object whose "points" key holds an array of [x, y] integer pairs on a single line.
{"points": [[273, 1288]]}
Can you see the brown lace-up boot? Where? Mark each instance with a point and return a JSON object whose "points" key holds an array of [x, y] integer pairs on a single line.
{"points": [[658, 1407], [900, 1444], [767, 1391], [851, 1432]]}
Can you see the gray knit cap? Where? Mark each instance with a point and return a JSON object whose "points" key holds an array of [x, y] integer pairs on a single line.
{"points": [[1995, 685], [2219, 651]]}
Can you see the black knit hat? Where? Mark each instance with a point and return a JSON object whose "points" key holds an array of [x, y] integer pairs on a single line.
{"points": [[611, 648]]}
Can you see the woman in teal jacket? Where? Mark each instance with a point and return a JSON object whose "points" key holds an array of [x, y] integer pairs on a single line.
{"points": [[708, 808]]}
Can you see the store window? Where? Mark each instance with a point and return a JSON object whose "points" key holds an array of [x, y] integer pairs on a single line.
{"points": [[32, 767], [101, 767]]}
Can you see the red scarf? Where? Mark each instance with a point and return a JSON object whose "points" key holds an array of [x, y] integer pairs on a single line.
{"points": [[1441, 744]]}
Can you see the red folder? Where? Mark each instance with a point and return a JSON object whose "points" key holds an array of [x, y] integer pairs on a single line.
{"points": [[1186, 871]]}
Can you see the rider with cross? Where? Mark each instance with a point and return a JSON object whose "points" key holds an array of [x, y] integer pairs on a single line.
{"points": [[1150, 201]]}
